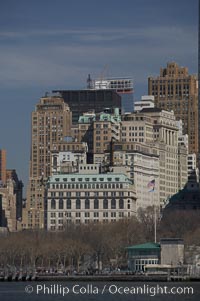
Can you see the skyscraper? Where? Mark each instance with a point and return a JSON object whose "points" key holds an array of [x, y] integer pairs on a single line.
{"points": [[199, 83], [81, 101], [51, 122], [2, 166], [175, 89]]}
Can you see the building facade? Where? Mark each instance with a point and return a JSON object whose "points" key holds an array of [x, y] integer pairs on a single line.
{"points": [[11, 175], [192, 165], [81, 101], [172, 251], [8, 207], [157, 128], [175, 89], [142, 162], [199, 84], [88, 196], [2, 166], [166, 139], [141, 255], [97, 130], [51, 122]]}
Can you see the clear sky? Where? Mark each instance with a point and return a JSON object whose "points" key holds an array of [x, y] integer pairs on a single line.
{"points": [[49, 44]]}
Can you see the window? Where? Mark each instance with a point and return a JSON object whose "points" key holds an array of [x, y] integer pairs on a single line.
{"points": [[60, 204], [78, 204], [69, 205], [53, 204], [87, 204], [105, 204], [113, 204], [96, 204], [121, 204]]}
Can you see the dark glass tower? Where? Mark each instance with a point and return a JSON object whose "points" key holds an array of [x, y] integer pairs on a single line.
{"points": [[82, 101]]}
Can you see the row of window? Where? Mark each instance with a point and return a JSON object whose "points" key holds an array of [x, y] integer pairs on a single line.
{"points": [[124, 128], [87, 204], [86, 186], [89, 179], [87, 193], [86, 215]]}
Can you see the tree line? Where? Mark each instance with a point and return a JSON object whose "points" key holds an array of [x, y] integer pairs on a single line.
{"points": [[102, 244]]}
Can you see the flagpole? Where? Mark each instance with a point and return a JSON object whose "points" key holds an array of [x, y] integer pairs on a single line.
{"points": [[152, 184]]}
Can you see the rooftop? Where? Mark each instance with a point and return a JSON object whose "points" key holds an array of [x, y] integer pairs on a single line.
{"points": [[149, 245]]}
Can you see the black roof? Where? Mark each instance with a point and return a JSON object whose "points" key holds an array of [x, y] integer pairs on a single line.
{"points": [[148, 110]]}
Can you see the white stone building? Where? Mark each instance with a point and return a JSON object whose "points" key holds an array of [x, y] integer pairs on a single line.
{"points": [[88, 197]]}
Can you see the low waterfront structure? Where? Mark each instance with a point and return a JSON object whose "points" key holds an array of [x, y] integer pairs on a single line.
{"points": [[172, 251], [168, 254], [141, 255]]}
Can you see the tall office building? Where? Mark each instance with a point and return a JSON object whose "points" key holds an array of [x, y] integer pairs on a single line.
{"points": [[175, 89], [156, 128], [122, 85], [81, 101], [2, 166], [199, 84], [8, 207], [11, 175], [51, 122]]}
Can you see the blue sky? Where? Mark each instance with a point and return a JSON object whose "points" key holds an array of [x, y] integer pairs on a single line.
{"points": [[50, 44]]}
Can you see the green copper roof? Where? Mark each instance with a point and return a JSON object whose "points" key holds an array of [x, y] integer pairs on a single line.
{"points": [[149, 245]]}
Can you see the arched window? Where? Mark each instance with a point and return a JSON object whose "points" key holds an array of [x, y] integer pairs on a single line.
{"points": [[69, 204], [60, 206], [105, 204], [96, 204], [121, 204], [78, 204], [87, 204], [53, 204], [113, 204]]}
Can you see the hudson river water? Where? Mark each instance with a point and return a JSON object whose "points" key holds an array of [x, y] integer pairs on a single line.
{"points": [[100, 291]]}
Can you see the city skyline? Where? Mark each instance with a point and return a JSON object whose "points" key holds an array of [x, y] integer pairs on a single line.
{"points": [[56, 46]]}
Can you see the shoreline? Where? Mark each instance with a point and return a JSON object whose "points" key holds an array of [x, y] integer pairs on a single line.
{"points": [[103, 278]]}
